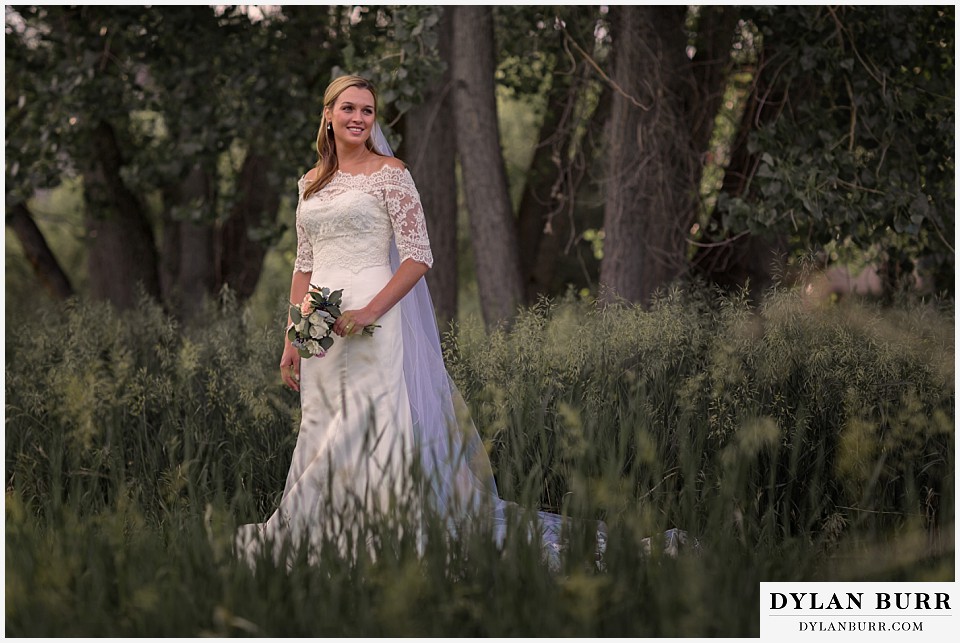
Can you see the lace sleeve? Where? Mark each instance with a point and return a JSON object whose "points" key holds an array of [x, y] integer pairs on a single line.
{"points": [[304, 261], [406, 217]]}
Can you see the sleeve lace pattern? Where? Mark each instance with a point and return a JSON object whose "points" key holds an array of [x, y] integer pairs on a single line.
{"points": [[304, 261], [406, 216]]}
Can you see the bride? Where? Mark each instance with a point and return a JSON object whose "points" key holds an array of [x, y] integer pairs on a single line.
{"points": [[373, 404]]}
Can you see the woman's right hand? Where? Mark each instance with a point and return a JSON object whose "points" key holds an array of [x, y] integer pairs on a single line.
{"points": [[290, 366]]}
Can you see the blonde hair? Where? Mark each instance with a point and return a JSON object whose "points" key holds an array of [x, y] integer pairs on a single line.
{"points": [[327, 163]]}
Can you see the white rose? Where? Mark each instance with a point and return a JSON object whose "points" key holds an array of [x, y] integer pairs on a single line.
{"points": [[316, 332], [316, 318], [300, 325]]}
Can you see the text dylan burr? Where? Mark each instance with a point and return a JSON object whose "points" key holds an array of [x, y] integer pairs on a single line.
{"points": [[855, 601]]}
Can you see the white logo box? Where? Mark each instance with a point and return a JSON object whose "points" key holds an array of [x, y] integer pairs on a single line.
{"points": [[858, 611]]}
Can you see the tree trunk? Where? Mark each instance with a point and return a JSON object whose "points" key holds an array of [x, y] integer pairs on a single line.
{"points": [[651, 178], [552, 272], [430, 149], [549, 201], [195, 268], [710, 69], [38, 253], [542, 198], [169, 258], [749, 260], [240, 256], [492, 225], [120, 245]]}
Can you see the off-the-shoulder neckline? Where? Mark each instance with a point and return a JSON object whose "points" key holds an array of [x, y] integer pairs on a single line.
{"points": [[385, 166]]}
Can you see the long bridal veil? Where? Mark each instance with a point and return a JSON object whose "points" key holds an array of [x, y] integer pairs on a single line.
{"points": [[457, 478]]}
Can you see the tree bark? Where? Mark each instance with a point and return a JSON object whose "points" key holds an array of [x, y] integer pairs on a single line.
{"points": [[542, 194], [710, 68], [492, 225], [749, 260], [651, 177], [38, 253], [121, 254], [240, 256], [188, 270], [559, 262], [169, 257], [430, 149]]}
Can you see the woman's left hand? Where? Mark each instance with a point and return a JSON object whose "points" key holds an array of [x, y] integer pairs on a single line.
{"points": [[352, 322]]}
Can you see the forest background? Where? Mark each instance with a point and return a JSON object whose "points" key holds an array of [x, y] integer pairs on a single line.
{"points": [[603, 151], [696, 264]]}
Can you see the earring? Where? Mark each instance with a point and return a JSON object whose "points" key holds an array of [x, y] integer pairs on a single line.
{"points": [[329, 127]]}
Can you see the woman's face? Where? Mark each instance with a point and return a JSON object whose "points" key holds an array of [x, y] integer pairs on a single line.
{"points": [[353, 116]]}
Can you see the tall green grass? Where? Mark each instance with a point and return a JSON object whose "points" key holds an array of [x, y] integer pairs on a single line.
{"points": [[796, 442]]}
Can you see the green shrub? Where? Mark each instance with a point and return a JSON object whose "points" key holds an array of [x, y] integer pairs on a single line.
{"points": [[797, 443], [100, 404], [806, 419]]}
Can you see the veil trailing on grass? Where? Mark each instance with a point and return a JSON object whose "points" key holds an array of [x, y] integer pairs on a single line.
{"points": [[452, 456], [458, 478]]}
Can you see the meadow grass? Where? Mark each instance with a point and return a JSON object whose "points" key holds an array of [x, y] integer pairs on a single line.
{"points": [[797, 442]]}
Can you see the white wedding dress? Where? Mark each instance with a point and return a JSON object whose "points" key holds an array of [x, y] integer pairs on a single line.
{"points": [[372, 404]]}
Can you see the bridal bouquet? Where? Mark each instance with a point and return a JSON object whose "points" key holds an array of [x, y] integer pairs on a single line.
{"points": [[313, 318]]}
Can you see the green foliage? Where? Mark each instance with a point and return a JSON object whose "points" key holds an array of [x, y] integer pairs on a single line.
{"points": [[798, 443], [397, 49], [664, 402], [854, 149], [141, 70], [531, 47], [110, 405]]}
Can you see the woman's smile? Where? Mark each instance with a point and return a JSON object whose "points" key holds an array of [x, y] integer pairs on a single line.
{"points": [[353, 115]]}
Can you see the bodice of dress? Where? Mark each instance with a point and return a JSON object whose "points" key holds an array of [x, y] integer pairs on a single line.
{"points": [[350, 222]]}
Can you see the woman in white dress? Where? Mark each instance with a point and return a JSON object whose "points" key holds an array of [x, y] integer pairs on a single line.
{"points": [[373, 404]]}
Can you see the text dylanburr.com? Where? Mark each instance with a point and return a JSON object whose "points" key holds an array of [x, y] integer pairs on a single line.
{"points": [[801, 610]]}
